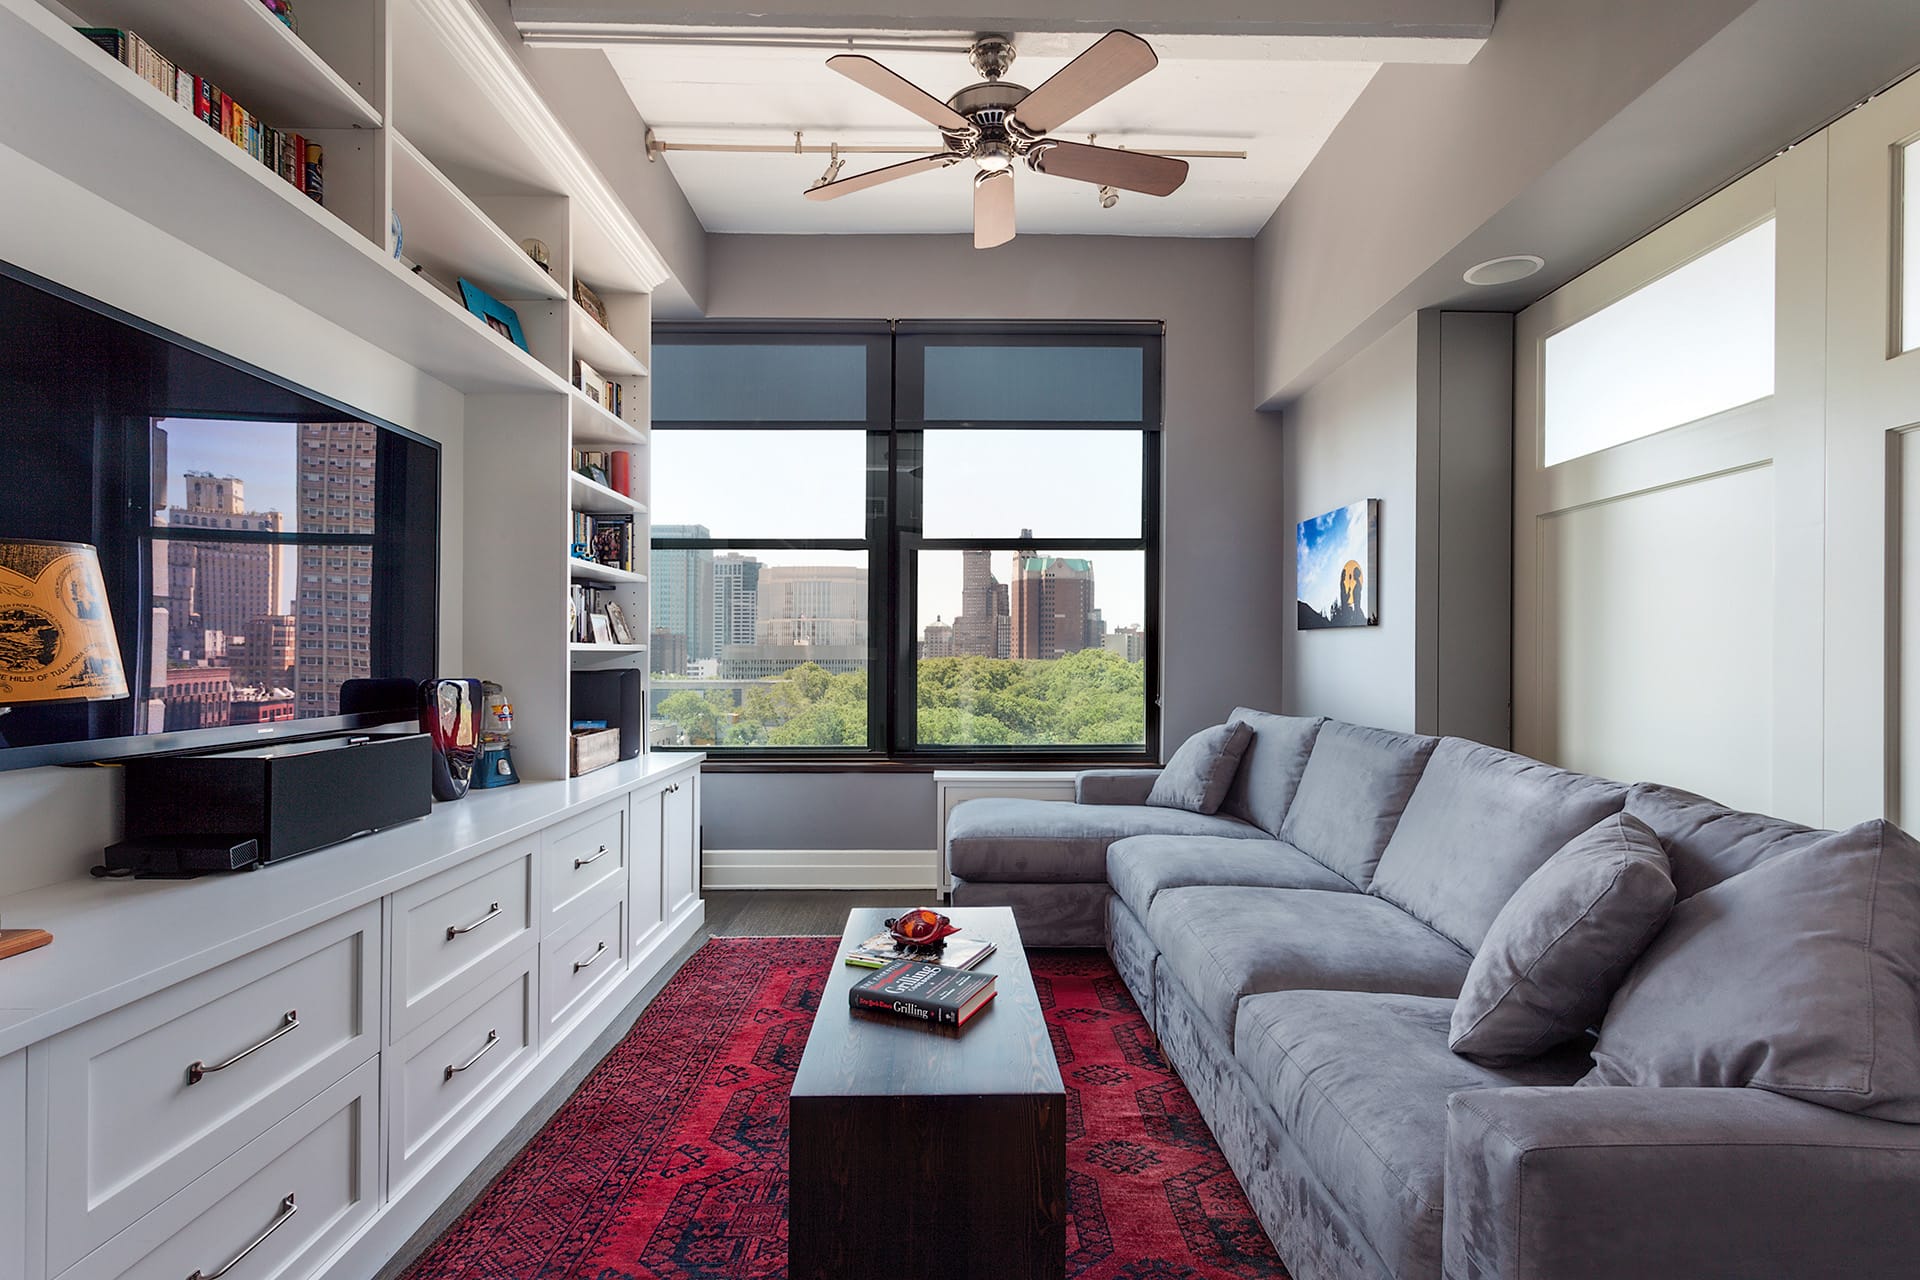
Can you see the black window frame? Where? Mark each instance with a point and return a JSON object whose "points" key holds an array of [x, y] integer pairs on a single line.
{"points": [[895, 427]]}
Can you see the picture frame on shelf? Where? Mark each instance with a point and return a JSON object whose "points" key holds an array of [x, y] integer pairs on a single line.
{"points": [[493, 313], [602, 629], [617, 623], [591, 383], [590, 303]]}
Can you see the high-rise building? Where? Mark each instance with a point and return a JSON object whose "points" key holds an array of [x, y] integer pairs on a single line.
{"points": [[807, 613], [1129, 642], [666, 652], [937, 640], [1053, 611], [979, 629], [682, 589], [269, 652], [736, 600], [217, 586], [1002, 622], [333, 607]]}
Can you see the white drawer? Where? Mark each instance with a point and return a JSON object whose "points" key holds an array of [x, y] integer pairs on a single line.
{"points": [[450, 932], [445, 1073], [586, 863], [574, 969], [299, 1191], [144, 1100]]}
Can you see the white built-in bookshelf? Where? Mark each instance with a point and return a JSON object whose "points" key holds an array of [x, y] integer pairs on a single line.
{"points": [[427, 120]]}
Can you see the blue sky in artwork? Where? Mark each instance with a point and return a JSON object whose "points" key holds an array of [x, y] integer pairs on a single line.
{"points": [[1322, 545]]}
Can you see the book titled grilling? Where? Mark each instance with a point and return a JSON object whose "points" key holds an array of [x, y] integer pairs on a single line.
{"points": [[929, 992]]}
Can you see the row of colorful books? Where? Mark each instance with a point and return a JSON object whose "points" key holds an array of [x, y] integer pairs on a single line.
{"points": [[610, 467], [298, 160], [929, 984], [606, 540]]}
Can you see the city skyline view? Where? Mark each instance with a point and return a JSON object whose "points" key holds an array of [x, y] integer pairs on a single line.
{"points": [[988, 484], [264, 455]]}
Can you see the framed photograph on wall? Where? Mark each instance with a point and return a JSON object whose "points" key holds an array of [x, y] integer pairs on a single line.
{"points": [[1336, 557], [495, 314]]}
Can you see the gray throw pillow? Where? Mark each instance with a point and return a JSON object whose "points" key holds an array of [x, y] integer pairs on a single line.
{"points": [[1197, 777], [1800, 976], [1557, 950]]}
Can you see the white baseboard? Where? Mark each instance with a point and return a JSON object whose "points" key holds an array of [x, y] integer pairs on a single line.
{"points": [[820, 869]]}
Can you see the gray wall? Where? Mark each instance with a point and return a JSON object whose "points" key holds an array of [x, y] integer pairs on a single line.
{"points": [[1578, 128], [1223, 607], [1422, 420]]}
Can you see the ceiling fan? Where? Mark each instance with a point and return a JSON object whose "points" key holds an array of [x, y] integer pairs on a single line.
{"points": [[995, 123]]}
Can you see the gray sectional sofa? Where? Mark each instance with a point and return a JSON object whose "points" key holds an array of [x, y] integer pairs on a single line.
{"points": [[1298, 955]]}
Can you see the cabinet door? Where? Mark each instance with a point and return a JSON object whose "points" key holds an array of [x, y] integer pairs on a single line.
{"points": [[646, 915], [681, 845], [13, 1171]]}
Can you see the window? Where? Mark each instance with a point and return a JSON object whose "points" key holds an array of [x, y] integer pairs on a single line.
{"points": [[1910, 247], [1696, 342], [906, 541]]}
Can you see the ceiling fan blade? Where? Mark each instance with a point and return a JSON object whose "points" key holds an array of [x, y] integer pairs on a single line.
{"points": [[864, 71], [874, 177], [1109, 166], [992, 208], [1115, 61]]}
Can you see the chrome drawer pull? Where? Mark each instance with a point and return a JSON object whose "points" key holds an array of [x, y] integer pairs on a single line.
{"points": [[493, 1038], [673, 786], [578, 965], [455, 930], [581, 862], [287, 1209], [199, 1070]]}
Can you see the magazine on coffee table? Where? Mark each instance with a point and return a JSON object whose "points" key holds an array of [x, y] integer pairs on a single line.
{"points": [[957, 951]]}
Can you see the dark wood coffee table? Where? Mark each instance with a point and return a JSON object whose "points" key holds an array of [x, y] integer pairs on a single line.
{"points": [[929, 1153]]}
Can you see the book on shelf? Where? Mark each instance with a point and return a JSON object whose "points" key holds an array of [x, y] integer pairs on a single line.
{"points": [[956, 951], [603, 540], [929, 992], [622, 472], [587, 613], [295, 159]]}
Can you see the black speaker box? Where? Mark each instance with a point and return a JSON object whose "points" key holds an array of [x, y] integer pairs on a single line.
{"points": [[613, 696], [292, 798]]}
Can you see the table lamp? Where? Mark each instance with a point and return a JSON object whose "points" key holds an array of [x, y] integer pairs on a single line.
{"points": [[56, 644]]}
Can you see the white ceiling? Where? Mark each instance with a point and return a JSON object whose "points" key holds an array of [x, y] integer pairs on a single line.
{"points": [[1276, 99]]}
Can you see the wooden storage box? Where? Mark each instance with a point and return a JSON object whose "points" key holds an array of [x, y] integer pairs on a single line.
{"points": [[592, 749]]}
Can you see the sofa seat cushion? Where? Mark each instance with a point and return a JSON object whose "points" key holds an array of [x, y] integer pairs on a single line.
{"points": [[1350, 797], [1141, 866], [1361, 1082], [1225, 943], [1481, 821], [1042, 841], [1269, 773]]}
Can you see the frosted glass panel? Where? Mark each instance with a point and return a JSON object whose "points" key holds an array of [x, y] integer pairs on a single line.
{"points": [[1910, 248], [1691, 344], [759, 382], [1033, 384]]}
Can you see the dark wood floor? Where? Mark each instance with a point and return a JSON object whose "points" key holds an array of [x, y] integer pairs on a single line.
{"points": [[732, 914]]}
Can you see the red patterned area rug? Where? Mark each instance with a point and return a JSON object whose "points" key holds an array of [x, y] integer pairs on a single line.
{"points": [[670, 1163]]}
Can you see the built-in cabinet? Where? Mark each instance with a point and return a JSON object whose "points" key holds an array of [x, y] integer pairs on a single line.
{"points": [[315, 1088]]}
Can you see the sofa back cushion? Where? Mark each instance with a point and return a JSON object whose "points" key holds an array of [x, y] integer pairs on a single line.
{"points": [[1262, 790], [1197, 777], [1350, 796], [1481, 821], [1800, 976], [1708, 842]]}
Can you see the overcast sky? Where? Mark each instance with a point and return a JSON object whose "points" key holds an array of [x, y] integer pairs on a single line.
{"points": [[987, 484]]}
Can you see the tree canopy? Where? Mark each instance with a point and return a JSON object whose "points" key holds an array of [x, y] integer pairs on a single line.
{"points": [[1091, 698]]}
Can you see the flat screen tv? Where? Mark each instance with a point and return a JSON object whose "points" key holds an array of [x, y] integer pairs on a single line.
{"points": [[257, 545]]}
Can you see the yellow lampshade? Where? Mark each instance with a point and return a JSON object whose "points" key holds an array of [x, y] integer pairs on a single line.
{"points": [[56, 631]]}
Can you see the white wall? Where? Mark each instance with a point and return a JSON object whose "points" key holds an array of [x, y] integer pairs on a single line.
{"points": [[1222, 600], [1720, 605], [54, 822]]}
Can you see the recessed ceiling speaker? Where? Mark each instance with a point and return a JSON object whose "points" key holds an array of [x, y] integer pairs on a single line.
{"points": [[1515, 266]]}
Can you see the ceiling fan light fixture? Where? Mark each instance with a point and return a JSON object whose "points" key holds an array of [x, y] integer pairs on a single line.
{"points": [[1108, 197], [993, 157], [1503, 270]]}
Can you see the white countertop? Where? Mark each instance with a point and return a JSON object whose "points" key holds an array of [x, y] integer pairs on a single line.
{"points": [[118, 940]]}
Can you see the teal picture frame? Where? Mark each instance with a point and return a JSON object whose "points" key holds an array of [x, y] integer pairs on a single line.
{"points": [[493, 313]]}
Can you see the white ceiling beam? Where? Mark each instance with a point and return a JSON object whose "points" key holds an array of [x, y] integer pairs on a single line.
{"points": [[1463, 20]]}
